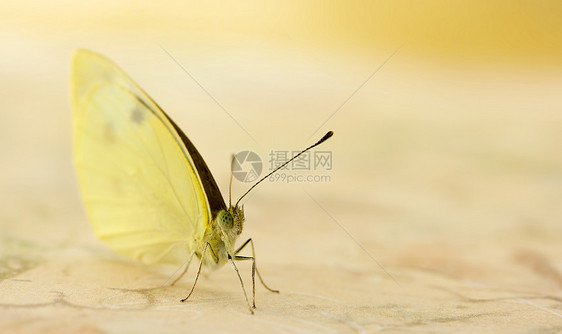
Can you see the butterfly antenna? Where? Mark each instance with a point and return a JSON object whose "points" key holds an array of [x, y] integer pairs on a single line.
{"points": [[323, 139], [232, 157]]}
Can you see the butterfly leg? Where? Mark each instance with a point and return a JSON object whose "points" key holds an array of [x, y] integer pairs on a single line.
{"points": [[242, 258], [251, 242], [184, 271], [207, 245], [242, 284]]}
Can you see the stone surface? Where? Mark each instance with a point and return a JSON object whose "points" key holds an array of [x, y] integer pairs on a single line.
{"points": [[449, 177]]}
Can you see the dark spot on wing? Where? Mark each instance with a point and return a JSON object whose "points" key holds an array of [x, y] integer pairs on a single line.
{"points": [[137, 116], [118, 185], [109, 133]]}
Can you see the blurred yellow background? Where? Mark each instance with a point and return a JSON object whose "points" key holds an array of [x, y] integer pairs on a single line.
{"points": [[447, 161]]}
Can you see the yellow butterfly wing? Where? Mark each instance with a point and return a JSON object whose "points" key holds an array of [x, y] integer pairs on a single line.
{"points": [[141, 187]]}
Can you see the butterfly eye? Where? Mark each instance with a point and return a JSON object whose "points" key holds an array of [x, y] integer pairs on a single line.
{"points": [[225, 219]]}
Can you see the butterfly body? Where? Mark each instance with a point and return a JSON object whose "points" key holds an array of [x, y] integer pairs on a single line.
{"points": [[221, 237]]}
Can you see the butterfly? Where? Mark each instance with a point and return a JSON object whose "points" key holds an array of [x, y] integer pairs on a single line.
{"points": [[147, 191]]}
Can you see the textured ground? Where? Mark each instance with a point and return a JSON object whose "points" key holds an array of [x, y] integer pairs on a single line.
{"points": [[446, 170]]}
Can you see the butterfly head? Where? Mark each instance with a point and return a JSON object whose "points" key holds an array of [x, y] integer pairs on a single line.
{"points": [[231, 221]]}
